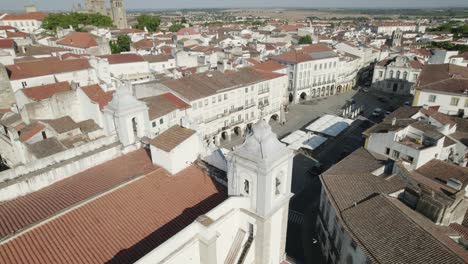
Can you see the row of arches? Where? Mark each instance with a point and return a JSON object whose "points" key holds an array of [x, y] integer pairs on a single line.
{"points": [[237, 131], [323, 91]]}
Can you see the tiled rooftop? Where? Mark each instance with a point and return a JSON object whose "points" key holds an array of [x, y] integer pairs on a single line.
{"points": [[390, 236], [121, 226], [16, 214], [171, 138]]}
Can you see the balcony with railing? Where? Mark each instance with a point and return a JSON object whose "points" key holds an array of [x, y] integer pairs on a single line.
{"points": [[248, 106], [236, 109]]}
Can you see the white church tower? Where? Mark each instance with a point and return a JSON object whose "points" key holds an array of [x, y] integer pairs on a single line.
{"points": [[127, 116], [261, 169]]}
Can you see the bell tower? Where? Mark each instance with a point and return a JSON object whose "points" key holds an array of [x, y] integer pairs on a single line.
{"points": [[127, 116], [261, 169], [119, 14]]}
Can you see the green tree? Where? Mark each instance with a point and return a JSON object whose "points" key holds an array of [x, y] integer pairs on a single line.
{"points": [[77, 20], [183, 20], [305, 40], [175, 27], [150, 22], [122, 44]]}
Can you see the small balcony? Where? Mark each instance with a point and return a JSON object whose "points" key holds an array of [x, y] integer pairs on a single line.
{"points": [[249, 106], [236, 109]]}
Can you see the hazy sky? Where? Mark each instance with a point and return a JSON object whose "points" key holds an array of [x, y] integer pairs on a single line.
{"points": [[162, 4]]}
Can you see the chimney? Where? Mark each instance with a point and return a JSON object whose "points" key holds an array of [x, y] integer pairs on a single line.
{"points": [[425, 106], [394, 121]]}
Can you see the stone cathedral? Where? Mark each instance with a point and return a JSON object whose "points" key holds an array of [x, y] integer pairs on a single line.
{"points": [[117, 10]]}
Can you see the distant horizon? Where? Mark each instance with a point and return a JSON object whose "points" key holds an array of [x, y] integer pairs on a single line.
{"points": [[253, 7], [160, 5]]}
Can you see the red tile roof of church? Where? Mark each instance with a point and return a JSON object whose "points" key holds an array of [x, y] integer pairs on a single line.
{"points": [[121, 226]]}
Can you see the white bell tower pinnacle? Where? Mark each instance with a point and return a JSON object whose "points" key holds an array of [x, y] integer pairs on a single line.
{"points": [[127, 116], [261, 169]]}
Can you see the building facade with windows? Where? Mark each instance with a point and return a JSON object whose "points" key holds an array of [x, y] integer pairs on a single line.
{"points": [[444, 85], [396, 75], [417, 135], [312, 71], [26, 22], [223, 104]]}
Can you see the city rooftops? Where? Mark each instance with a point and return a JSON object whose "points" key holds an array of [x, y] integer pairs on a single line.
{"points": [[115, 212], [123, 58], [433, 73], [306, 53], [171, 138], [38, 16], [46, 91], [78, 40], [163, 104], [38, 68], [202, 85], [389, 233]]}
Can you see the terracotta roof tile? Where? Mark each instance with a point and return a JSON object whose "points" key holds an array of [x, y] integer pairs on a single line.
{"points": [[15, 215], [122, 226], [144, 44], [462, 230], [442, 171], [171, 138], [304, 54], [79, 40], [187, 31], [163, 104], [30, 130], [123, 58], [157, 58], [7, 44], [17, 34], [31, 69], [201, 85], [390, 236], [269, 66], [46, 91], [438, 72], [97, 95], [39, 16]]}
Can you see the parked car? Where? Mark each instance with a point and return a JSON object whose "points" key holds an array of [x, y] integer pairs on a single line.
{"points": [[407, 103], [387, 113], [377, 112], [366, 90]]}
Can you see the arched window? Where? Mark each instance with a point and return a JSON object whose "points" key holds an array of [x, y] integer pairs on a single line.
{"points": [[246, 186], [391, 74], [405, 76], [398, 74], [278, 186]]}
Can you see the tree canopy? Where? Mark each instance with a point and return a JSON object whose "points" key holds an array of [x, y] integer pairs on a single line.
{"points": [[53, 21], [455, 28], [305, 40], [449, 46], [175, 27], [150, 22], [122, 44]]}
